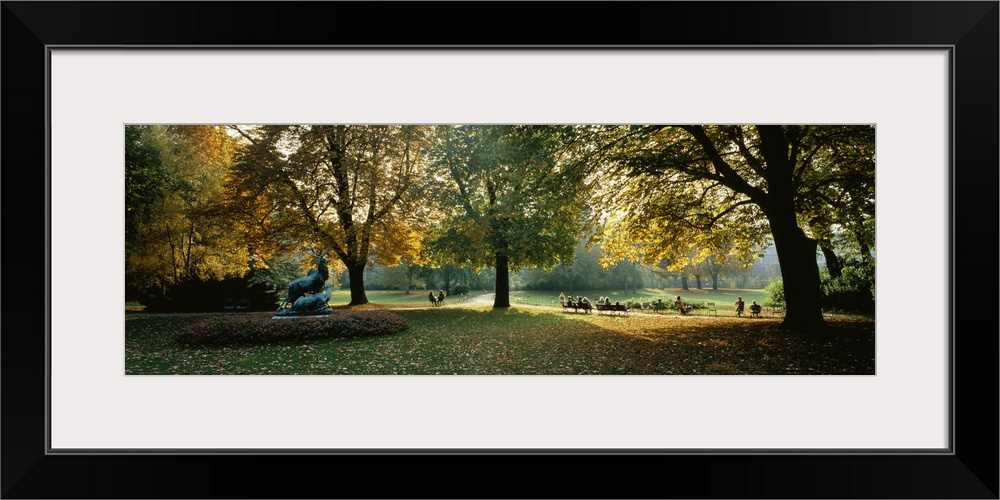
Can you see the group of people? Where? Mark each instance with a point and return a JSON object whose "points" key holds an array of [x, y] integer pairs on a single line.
{"points": [[754, 308], [578, 301], [584, 302], [607, 301]]}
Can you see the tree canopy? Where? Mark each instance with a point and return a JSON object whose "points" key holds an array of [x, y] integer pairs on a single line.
{"points": [[703, 188], [355, 190], [511, 196], [174, 182], [211, 201]]}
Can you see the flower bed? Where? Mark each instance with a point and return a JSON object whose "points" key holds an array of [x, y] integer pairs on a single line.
{"points": [[261, 328]]}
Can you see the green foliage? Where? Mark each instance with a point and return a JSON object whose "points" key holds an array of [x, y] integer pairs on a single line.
{"points": [[176, 224], [507, 193], [391, 278], [460, 289], [696, 191], [775, 291], [584, 273], [195, 294], [852, 292], [145, 178], [263, 328]]}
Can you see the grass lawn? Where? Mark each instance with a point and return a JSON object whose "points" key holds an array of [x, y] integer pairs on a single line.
{"points": [[471, 339]]}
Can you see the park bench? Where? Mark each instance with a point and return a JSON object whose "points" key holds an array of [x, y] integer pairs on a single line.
{"points": [[777, 311], [612, 308], [243, 305], [659, 307], [577, 306], [229, 304]]}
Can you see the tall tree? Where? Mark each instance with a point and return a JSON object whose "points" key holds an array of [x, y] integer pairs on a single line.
{"points": [[174, 180], [356, 190], [752, 180], [513, 197], [145, 179]]}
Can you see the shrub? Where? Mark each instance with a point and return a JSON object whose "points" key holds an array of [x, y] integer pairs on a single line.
{"points": [[459, 290], [262, 328], [198, 295], [774, 294], [853, 291]]}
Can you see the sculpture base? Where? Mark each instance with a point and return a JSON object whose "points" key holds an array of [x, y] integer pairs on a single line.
{"points": [[291, 313]]}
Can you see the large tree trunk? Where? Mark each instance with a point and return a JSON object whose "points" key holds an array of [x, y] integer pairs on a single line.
{"points": [[800, 275], [715, 281], [502, 295], [796, 251], [697, 279], [684, 282], [356, 276]]}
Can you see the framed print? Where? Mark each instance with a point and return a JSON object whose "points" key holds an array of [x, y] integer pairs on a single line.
{"points": [[922, 75]]}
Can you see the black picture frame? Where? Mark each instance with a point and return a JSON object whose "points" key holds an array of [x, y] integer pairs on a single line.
{"points": [[970, 29]]}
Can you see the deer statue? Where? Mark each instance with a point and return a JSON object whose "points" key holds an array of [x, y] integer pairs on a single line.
{"points": [[310, 284], [316, 303]]}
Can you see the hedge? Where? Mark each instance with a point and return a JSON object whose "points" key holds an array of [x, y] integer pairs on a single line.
{"points": [[197, 295]]}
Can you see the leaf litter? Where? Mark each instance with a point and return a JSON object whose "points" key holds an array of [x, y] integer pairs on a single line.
{"points": [[521, 341]]}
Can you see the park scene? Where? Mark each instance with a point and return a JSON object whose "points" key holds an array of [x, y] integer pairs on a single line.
{"points": [[499, 249]]}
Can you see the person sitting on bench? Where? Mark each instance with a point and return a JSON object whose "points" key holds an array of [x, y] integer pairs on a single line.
{"points": [[679, 304], [755, 310]]}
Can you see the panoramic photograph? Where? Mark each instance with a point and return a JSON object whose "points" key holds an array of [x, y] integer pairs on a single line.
{"points": [[479, 249]]}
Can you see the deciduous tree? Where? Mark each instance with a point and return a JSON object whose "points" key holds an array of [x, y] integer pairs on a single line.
{"points": [[174, 184], [745, 182], [512, 197], [356, 190]]}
